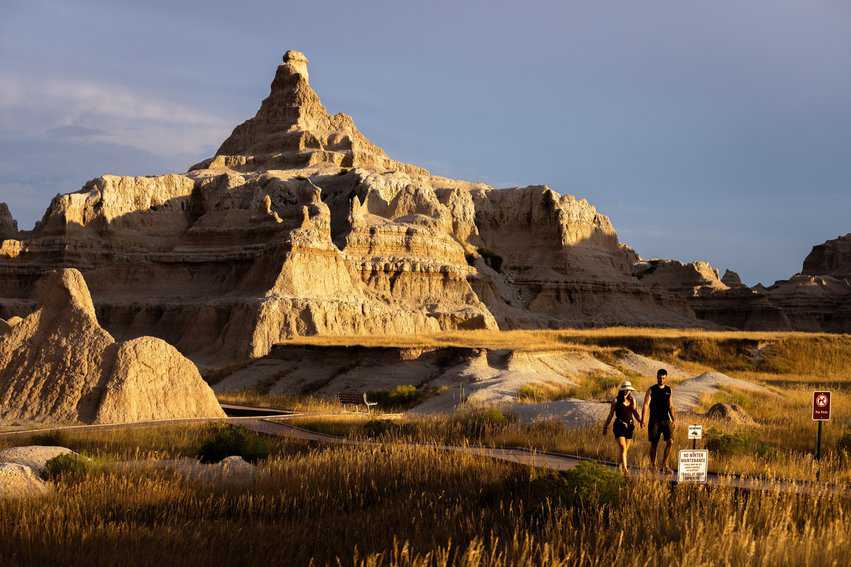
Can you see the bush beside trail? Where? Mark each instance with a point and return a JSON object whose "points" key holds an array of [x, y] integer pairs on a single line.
{"points": [[231, 440]]}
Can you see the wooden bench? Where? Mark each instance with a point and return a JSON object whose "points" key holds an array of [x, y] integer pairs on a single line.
{"points": [[355, 399]]}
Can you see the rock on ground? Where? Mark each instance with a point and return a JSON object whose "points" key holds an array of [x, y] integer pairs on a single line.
{"points": [[34, 456], [20, 481], [729, 412]]}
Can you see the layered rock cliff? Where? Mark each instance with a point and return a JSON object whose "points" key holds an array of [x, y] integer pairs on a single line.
{"points": [[299, 225], [816, 299]]}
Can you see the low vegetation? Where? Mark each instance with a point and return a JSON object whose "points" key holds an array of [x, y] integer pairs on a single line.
{"points": [[395, 505], [232, 441]]}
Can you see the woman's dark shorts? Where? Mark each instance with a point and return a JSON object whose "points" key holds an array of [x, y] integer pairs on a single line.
{"points": [[658, 429], [623, 429]]}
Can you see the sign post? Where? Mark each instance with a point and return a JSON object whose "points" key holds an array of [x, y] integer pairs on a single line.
{"points": [[821, 413], [693, 465], [695, 432]]}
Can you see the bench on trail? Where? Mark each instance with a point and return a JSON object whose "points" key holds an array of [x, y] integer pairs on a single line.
{"points": [[355, 399]]}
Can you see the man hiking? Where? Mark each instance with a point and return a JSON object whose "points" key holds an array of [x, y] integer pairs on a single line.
{"points": [[661, 418]]}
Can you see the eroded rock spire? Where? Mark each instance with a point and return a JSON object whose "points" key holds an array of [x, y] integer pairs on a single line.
{"points": [[293, 129]]}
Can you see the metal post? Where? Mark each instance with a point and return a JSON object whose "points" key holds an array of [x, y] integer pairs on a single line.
{"points": [[693, 444], [818, 451]]}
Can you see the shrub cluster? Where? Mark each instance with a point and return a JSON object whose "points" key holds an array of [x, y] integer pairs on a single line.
{"points": [[231, 440]]}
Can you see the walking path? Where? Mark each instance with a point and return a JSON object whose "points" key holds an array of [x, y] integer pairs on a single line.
{"points": [[273, 425]]}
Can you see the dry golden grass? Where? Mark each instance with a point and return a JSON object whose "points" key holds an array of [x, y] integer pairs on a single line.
{"points": [[546, 339], [781, 445], [395, 505], [774, 352], [312, 404]]}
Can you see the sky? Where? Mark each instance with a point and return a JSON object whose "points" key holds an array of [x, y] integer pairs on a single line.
{"points": [[716, 130]]}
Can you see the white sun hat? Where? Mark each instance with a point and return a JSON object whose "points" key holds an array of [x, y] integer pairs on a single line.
{"points": [[626, 386]]}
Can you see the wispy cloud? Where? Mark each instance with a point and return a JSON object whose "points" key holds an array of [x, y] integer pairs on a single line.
{"points": [[106, 113]]}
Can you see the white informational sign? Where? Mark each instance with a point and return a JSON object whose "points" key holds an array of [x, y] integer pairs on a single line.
{"points": [[695, 432], [693, 465]]}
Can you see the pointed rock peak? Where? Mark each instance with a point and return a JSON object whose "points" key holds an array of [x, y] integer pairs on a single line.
{"points": [[293, 130], [298, 62], [8, 226], [731, 279], [63, 289]]}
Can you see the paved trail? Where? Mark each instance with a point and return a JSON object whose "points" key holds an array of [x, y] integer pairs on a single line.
{"points": [[543, 459], [273, 425]]}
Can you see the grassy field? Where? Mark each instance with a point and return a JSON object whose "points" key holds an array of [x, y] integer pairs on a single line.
{"points": [[780, 444], [395, 505], [814, 354]]}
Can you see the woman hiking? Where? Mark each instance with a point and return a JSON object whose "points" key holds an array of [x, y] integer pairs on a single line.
{"points": [[623, 410]]}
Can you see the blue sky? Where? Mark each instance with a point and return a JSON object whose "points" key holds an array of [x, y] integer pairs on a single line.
{"points": [[705, 130]]}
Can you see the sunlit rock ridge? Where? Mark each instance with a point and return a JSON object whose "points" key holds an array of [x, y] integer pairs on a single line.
{"points": [[299, 225]]}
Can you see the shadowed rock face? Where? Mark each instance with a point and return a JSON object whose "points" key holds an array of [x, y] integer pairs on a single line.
{"points": [[8, 226], [833, 258], [59, 365]]}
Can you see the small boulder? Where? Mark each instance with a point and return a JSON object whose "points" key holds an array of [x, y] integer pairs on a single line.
{"points": [[236, 465], [729, 412], [34, 457], [20, 481]]}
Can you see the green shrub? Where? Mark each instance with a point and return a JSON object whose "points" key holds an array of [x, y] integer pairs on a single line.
{"points": [[232, 440], [70, 466], [401, 396], [594, 483], [844, 443], [728, 444], [588, 484]]}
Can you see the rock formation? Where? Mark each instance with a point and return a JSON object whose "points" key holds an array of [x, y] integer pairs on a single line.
{"points": [[59, 365], [8, 226], [731, 413], [691, 279], [833, 258], [299, 225], [817, 299], [19, 481], [731, 279]]}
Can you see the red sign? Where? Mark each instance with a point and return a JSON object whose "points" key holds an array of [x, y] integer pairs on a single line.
{"points": [[821, 406]]}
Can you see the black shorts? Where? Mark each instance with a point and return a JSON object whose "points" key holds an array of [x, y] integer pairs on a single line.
{"points": [[623, 429], [658, 429]]}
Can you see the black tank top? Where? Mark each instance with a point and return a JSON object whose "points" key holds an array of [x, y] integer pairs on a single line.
{"points": [[660, 402], [623, 411]]}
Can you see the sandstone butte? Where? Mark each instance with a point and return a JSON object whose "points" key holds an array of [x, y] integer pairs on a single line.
{"points": [[299, 225], [59, 365]]}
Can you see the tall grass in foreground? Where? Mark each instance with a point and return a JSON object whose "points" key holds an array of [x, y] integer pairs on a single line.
{"points": [[415, 506]]}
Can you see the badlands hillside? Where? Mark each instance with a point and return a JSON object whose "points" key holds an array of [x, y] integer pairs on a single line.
{"points": [[299, 226], [59, 365]]}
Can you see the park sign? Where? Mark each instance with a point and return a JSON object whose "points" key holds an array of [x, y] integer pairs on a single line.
{"points": [[695, 432], [821, 406], [693, 465]]}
